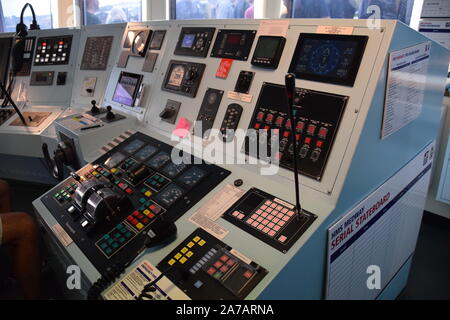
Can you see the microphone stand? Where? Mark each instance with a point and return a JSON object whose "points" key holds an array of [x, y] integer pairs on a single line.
{"points": [[8, 98], [290, 90]]}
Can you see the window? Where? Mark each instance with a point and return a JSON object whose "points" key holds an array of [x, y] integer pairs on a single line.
{"points": [[212, 9], [348, 9], [11, 13], [112, 11]]}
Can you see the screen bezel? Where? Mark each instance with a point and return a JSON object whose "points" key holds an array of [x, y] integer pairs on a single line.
{"points": [[361, 41], [136, 89]]}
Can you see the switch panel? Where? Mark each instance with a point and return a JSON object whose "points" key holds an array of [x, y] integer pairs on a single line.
{"points": [[53, 51]]}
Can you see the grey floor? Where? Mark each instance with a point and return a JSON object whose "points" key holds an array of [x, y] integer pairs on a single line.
{"points": [[429, 277]]}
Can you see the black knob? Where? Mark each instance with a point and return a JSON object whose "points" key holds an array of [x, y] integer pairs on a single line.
{"points": [[167, 113], [190, 74], [110, 115], [94, 108]]}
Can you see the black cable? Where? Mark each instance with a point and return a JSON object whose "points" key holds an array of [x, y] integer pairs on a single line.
{"points": [[34, 25]]}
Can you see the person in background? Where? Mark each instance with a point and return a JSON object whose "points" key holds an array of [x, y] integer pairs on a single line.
{"points": [[250, 12], [311, 9], [240, 8], [390, 9], [284, 12], [189, 9], [91, 7], [342, 9], [19, 234], [225, 9], [116, 15]]}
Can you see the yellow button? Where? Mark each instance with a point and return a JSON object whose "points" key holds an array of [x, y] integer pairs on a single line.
{"points": [[201, 243], [139, 226], [189, 254], [171, 262], [178, 256], [190, 244], [183, 260], [184, 250], [148, 194], [146, 212], [95, 173], [196, 239], [114, 170]]}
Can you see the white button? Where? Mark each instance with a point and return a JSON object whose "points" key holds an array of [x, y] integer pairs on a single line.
{"points": [[71, 209]]}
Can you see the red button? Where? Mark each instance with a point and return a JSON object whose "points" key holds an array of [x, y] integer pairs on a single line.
{"points": [[248, 274], [286, 134], [151, 215], [145, 220], [224, 258], [323, 132], [288, 124], [152, 207], [266, 128], [297, 137], [260, 116], [136, 213], [218, 264], [129, 191], [308, 140], [319, 144], [130, 218], [257, 125], [134, 221], [311, 129], [269, 118], [279, 121], [300, 126], [211, 271]]}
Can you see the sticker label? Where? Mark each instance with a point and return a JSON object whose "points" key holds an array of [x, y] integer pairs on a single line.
{"points": [[62, 235], [224, 68], [334, 30], [240, 96]]}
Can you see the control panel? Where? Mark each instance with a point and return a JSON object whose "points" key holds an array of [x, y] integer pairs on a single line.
{"points": [[53, 50], [119, 196], [26, 55], [183, 77], [233, 44], [210, 269], [96, 53], [194, 42], [317, 116]]}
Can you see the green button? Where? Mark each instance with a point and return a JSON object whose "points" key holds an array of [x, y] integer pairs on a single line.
{"points": [[110, 241], [108, 251], [142, 200], [120, 226], [143, 190], [161, 180], [153, 183], [117, 235], [122, 240], [104, 245], [124, 230], [115, 245], [128, 234], [106, 236]]}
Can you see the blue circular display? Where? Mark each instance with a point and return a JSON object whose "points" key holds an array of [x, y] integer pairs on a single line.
{"points": [[325, 59]]}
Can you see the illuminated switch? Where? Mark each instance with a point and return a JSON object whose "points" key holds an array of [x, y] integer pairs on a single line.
{"points": [[300, 126], [307, 140], [269, 118], [288, 124], [323, 132], [257, 125], [171, 262], [286, 134], [315, 155], [148, 193], [260, 116], [319, 144], [279, 121], [311, 129]]}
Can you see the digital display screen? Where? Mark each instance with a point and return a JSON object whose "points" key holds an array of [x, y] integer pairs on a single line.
{"points": [[188, 41], [267, 47], [176, 75], [233, 39], [126, 88], [328, 58]]}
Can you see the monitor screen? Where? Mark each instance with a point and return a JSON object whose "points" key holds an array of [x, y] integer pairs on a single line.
{"points": [[127, 88], [328, 58], [267, 47], [188, 41]]}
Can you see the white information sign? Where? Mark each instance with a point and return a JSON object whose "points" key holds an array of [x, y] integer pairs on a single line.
{"points": [[405, 87], [368, 246]]}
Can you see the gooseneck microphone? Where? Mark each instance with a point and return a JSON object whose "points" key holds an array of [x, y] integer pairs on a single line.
{"points": [[290, 92]]}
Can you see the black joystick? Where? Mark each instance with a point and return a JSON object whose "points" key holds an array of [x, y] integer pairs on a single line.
{"points": [[94, 108], [167, 113], [110, 115]]}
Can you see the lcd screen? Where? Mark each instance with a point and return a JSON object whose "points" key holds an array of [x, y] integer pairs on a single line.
{"points": [[176, 75], [188, 41], [267, 47], [233, 39], [328, 58], [127, 88]]}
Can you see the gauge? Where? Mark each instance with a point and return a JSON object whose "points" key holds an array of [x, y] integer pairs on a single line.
{"points": [[139, 43], [172, 169], [159, 160], [145, 153], [133, 146], [191, 177], [169, 195]]}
